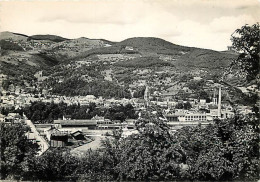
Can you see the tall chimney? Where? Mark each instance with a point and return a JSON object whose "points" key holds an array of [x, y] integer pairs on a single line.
{"points": [[219, 102]]}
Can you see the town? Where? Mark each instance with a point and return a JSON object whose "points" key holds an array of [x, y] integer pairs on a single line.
{"points": [[177, 112], [120, 91]]}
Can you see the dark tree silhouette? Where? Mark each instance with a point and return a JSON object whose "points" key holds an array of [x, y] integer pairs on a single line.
{"points": [[15, 150], [246, 41]]}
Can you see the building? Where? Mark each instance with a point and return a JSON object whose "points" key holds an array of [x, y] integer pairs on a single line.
{"points": [[78, 135], [59, 140], [31, 136], [2, 118], [126, 132], [56, 137], [90, 123], [129, 48], [183, 117]]}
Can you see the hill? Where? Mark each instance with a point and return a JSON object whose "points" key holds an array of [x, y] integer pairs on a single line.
{"points": [[152, 44], [74, 47], [180, 56], [141, 45], [89, 65], [13, 36], [203, 58], [53, 38], [7, 45]]}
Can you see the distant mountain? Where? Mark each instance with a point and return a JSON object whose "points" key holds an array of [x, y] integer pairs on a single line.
{"points": [[81, 48], [73, 47], [82, 42], [180, 56], [13, 36], [53, 38], [142, 45], [152, 44], [82, 61], [22, 37]]}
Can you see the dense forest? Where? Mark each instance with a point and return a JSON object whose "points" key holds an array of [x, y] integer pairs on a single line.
{"points": [[97, 88], [17, 75]]}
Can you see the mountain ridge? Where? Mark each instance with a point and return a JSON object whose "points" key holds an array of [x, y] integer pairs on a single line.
{"points": [[105, 40], [83, 47], [81, 66]]}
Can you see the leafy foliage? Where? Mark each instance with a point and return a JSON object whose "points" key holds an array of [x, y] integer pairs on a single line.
{"points": [[47, 112], [139, 93], [40, 112], [97, 88], [226, 150], [185, 105], [120, 112], [246, 41], [53, 165], [17, 75], [149, 155], [15, 150]]}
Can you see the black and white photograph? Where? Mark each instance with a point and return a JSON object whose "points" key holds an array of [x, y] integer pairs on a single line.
{"points": [[129, 90]]}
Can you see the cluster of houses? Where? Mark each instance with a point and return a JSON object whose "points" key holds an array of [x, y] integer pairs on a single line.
{"points": [[114, 58], [60, 137], [32, 44], [72, 133], [66, 132]]}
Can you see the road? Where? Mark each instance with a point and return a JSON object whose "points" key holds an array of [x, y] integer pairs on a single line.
{"points": [[40, 140], [94, 145]]}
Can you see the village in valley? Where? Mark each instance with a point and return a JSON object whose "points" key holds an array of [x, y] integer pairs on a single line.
{"points": [[186, 99], [180, 104]]}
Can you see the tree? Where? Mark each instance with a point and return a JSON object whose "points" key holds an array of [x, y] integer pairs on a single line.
{"points": [[225, 150], [130, 111], [96, 166], [16, 149], [149, 155], [246, 41], [120, 112], [187, 105], [179, 106], [203, 95], [54, 165]]}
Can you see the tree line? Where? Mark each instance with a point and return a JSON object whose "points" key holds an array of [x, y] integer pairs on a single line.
{"points": [[224, 150], [97, 88], [41, 112]]}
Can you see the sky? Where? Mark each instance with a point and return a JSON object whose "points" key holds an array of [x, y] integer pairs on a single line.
{"points": [[195, 23]]}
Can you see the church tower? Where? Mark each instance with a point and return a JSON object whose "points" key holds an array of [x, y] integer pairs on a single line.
{"points": [[219, 102]]}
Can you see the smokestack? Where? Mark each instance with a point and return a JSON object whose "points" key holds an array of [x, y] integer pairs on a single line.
{"points": [[219, 102]]}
